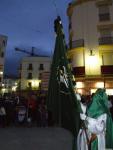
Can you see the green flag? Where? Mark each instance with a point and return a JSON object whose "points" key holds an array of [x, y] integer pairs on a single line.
{"points": [[62, 102]]}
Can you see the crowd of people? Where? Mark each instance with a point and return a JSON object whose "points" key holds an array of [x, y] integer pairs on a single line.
{"points": [[18, 110], [22, 111], [96, 117]]}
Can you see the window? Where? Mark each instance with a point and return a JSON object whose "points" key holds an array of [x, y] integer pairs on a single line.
{"points": [[104, 14], [104, 17], [29, 76], [30, 67], [104, 9], [2, 54], [41, 67], [29, 85], [4, 43], [40, 75]]}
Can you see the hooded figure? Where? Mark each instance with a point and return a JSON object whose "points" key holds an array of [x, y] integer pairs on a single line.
{"points": [[82, 135], [103, 127]]}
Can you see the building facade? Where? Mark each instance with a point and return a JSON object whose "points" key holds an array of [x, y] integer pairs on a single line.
{"points": [[33, 71], [10, 84], [3, 44], [91, 44]]}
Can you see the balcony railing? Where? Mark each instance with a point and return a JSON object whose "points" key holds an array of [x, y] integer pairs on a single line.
{"points": [[78, 43], [105, 40], [79, 71], [103, 2], [104, 17], [107, 70]]}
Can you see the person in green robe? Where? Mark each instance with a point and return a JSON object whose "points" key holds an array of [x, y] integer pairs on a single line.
{"points": [[98, 123]]}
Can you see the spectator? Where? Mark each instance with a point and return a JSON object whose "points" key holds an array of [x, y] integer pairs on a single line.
{"points": [[42, 114], [31, 108], [2, 115]]}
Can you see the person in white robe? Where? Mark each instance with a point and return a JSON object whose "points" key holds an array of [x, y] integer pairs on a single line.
{"points": [[92, 134]]}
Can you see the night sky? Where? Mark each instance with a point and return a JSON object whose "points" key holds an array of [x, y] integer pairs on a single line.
{"points": [[30, 23]]}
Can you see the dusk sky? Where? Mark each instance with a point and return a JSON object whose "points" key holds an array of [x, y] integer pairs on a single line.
{"points": [[30, 23]]}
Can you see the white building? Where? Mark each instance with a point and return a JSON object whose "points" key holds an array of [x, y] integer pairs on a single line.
{"points": [[10, 84], [91, 43], [3, 44], [32, 70]]}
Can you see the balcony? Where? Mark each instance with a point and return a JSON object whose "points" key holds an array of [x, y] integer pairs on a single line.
{"points": [[104, 17], [78, 43], [107, 70], [103, 2], [105, 40], [79, 71]]}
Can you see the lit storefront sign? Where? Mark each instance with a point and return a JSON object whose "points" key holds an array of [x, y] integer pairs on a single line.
{"points": [[99, 85], [109, 91], [35, 83], [79, 85]]}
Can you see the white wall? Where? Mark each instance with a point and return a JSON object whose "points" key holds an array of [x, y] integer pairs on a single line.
{"points": [[35, 61], [84, 25]]}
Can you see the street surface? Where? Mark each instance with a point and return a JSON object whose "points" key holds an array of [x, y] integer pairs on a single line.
{"points": [[34, 138]]}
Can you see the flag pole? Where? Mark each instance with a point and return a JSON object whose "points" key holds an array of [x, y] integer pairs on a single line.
{"points": [[60, 122]]}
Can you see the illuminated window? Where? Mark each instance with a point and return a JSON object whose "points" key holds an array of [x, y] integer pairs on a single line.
{"points": [[29, 84], [99, 85], [109, 91], [79, 84]]}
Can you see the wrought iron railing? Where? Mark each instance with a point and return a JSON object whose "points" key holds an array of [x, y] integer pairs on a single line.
{"points": [[78, 43], [105, 40], [104, 17]]}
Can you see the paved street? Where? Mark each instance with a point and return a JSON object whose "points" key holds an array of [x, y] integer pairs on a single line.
{"points": [[35, 139]]}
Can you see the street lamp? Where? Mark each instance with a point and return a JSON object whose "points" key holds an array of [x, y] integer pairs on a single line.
{"points": [[91, 52]]}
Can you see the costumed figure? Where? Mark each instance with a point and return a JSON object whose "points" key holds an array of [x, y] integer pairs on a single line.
{"points": [[82, 139], [98, 122], [21, 114]]}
